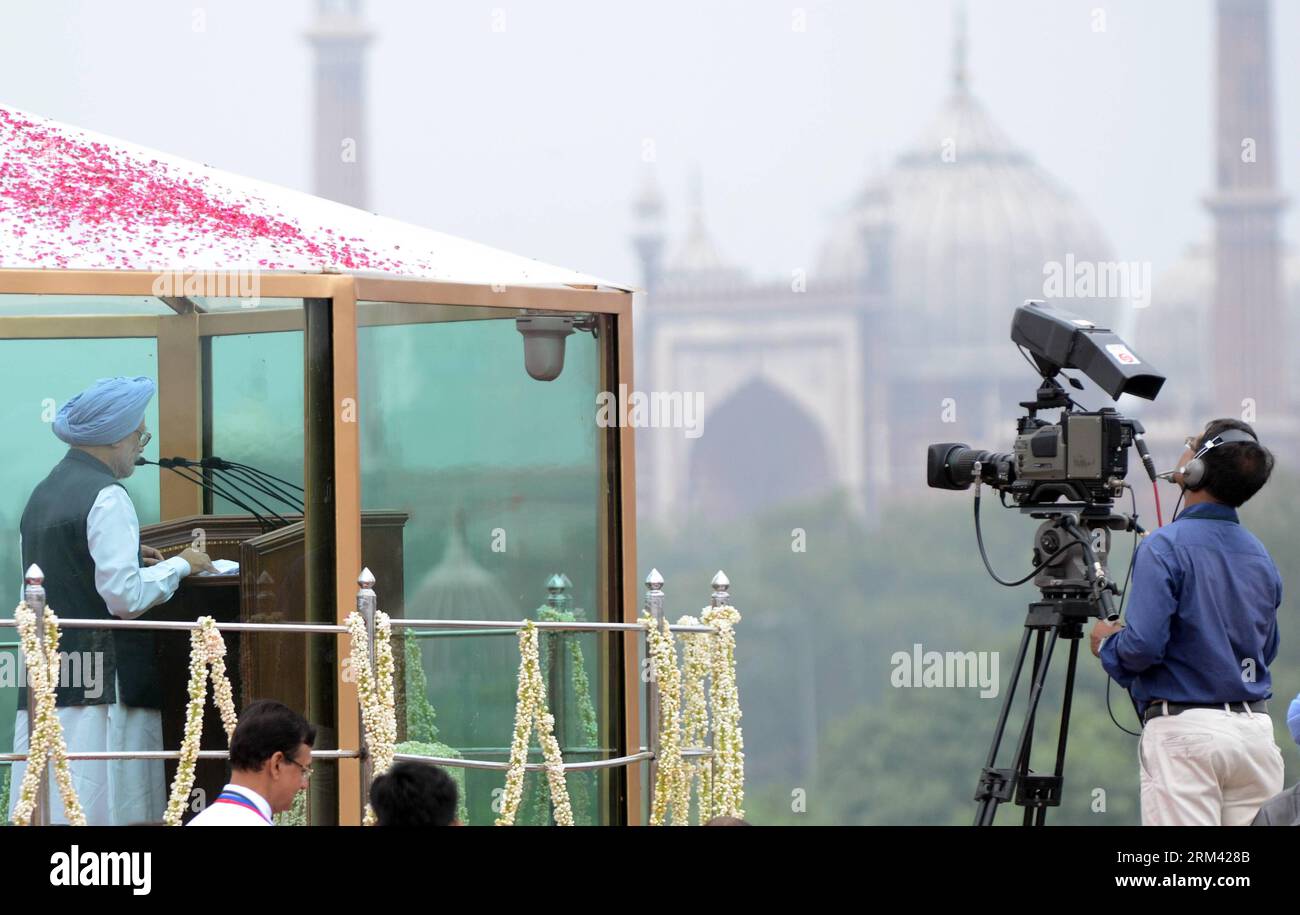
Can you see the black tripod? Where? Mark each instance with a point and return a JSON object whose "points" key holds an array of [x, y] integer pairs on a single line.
{"points": [[1079, 594]]}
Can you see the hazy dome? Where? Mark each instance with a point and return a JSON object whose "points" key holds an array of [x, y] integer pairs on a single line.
{"points": [[970, 220]]}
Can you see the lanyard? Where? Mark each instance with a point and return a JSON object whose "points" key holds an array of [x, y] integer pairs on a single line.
{"points": [[238, 800]]}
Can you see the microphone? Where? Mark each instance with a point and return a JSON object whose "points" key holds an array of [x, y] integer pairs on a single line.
{"points": [[224, 464], [243, 475], [241, 478], [1145, 454], [162, 462], [177, 465]]}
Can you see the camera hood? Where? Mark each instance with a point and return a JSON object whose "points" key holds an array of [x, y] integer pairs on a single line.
{"points": [[1058, 339]]}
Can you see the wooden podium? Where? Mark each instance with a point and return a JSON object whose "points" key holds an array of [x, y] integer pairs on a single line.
{"points": [[268, 588]]}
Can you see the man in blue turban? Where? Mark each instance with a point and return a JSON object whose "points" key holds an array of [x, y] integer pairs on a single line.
{"points": [[81, 528], [106, 412]]}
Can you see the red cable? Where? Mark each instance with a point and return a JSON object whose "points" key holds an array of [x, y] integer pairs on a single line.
{"points": [[1160, 521]]}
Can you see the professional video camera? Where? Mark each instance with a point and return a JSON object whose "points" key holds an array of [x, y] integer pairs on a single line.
{"points": [[1082, 457], [1067, 473]]}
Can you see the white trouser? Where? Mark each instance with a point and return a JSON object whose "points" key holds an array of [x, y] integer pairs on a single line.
{"points": [[1208, 767], [113, 792]]}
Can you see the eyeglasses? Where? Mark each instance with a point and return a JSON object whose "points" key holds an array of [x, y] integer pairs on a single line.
{"points": [[306, 770], [145, 438], [1191, 442]]}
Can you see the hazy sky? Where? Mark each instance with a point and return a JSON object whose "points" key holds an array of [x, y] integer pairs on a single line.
{"points": [[531, 137]]}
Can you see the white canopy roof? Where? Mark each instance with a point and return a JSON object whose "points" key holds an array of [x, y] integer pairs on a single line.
{"points": [[71, 199]]}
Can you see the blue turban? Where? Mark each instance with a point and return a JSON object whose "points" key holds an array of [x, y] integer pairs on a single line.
{"points": [[1293, 719], [106, 412]]}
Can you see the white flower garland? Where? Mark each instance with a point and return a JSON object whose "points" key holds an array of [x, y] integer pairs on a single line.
{"points": [[529, 712], [684, 719], [537, 803], [46, 732], [728, 742], [697, 658], [375, 693], [578, 665], [672, 780], [207, 662]]}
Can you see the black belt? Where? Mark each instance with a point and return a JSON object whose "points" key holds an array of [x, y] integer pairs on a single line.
{"points": [[1157, 708]]}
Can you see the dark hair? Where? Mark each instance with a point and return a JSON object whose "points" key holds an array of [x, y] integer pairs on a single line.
{"points": [[1236, 471], [414, 794], [265, 728]]}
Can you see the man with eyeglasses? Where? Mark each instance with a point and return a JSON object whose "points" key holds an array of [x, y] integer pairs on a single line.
{"points": [[270, 762], [81, 528], [1199, 637]]}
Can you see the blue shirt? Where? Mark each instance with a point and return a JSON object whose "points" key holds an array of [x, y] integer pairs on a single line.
{"points": [[1201, 623]]}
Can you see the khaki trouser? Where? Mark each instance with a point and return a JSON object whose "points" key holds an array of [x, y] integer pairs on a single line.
{"points": [[1208, 767]]}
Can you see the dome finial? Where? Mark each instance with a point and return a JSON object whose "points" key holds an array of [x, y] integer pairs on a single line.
{"points": [[698, 255], [959, 78], [695, 194]]}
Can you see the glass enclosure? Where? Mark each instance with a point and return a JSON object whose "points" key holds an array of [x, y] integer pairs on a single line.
{"points": [[484, 494]]}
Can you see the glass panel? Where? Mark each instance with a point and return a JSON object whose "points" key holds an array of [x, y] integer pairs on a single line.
{"points": [[256, 420], [502, 485], [431, 720], [257, 408], [37, 376], [14, 304]]}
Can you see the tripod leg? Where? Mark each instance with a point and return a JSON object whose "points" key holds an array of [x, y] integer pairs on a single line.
{"points": [[987, 803], [1035, 693], [1027, 737], [1066, 701], [1059, 617]]}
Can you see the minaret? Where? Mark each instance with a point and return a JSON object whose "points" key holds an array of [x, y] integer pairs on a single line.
{"points": [[1247, 319], [959, 70], [648, 240], [648, 234], [341, 151], [697, 249]]}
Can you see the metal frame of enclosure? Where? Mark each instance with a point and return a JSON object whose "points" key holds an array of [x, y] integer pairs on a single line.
{"points": [[329, 321]]}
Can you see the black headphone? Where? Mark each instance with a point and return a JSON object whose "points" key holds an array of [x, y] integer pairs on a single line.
{"points": [[1195, 472]]}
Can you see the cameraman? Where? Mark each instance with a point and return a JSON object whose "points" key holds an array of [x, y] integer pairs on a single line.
{"points": [[1201, 631]]}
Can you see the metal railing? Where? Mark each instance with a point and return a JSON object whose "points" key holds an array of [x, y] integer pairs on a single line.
{"points": [[367, 601]]}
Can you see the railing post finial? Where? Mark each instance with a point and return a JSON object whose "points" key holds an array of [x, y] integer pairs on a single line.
{"points": [[34, 589], [654, 594], [721, 590]]}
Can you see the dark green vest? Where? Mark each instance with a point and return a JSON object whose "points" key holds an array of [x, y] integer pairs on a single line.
{"points": [[54, 537]]}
